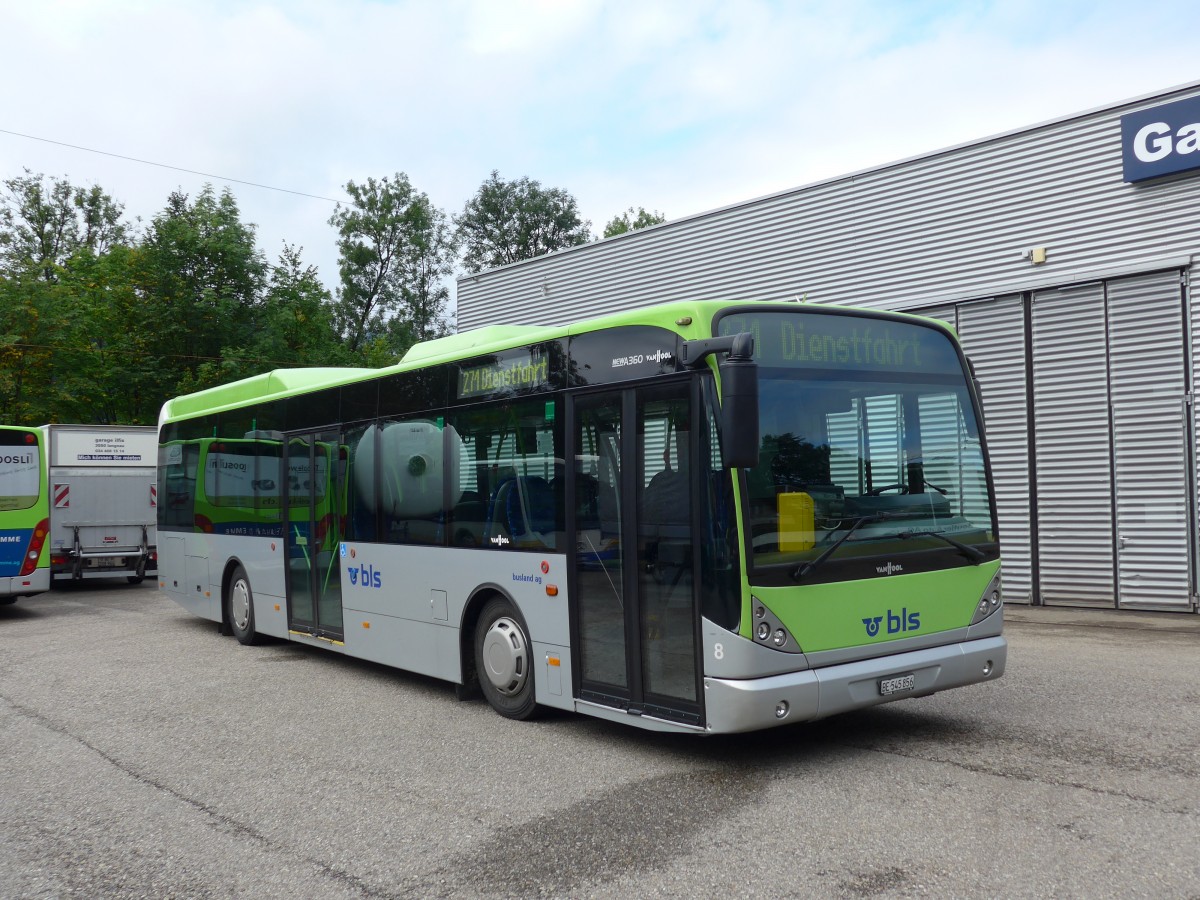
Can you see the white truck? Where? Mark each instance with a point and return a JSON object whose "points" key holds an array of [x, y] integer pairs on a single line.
{"points": [[103, 501]]}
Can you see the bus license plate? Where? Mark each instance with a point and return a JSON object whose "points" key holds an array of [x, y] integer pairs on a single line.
{"points": [[897, 685]]}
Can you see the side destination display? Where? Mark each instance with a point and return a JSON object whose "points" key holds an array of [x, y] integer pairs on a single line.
{"points": [[520, 373]]}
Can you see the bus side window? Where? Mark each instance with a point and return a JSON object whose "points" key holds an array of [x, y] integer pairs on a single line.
{"points": [[513, 492], [412, 466], [361, 524]]}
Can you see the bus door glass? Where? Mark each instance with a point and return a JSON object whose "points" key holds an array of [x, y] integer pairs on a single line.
{"points": [[634, 596], [315, 481]]}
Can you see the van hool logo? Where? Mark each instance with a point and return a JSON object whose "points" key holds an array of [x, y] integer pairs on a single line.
{"points": [[365, 575], [656, 357], [896, 622], [889, 569], [499, 540]]}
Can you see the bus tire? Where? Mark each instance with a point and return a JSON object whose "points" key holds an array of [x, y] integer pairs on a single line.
{"points": [[241, 608], [504, 660]]}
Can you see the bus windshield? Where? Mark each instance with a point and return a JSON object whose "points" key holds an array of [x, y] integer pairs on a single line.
{"points": [[20, 465], [871, 460]]}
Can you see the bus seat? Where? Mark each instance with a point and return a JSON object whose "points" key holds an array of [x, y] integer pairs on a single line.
{"points": [[522, 510], [609, 507], [470, 519], [497, 525], [587, 502], [530, 508]]}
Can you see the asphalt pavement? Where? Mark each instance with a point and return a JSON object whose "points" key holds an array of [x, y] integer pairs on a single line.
{"points": [[145, 755]]}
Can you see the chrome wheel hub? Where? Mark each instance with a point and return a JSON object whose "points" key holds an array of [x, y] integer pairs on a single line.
{"points": [[239, 605], [505, 657]]}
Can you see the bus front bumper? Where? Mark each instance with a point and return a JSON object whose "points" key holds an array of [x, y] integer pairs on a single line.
{"points": [[25, 585], [734, 705]]}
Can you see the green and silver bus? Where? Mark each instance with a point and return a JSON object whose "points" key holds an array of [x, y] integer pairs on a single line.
{"points": [[695, 517], [24, 514]]}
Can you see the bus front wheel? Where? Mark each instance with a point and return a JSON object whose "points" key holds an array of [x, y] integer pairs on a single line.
{"points": [[241, 608], [504, 660]]}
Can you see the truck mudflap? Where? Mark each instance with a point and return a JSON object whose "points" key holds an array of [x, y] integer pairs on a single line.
{"points": [[734, 705]]}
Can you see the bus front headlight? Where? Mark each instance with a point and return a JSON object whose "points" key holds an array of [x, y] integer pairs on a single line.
{"points": [[769, 631], [992, 600]]}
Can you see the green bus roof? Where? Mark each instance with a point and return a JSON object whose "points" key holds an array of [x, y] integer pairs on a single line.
{"points": [[689, 319]]}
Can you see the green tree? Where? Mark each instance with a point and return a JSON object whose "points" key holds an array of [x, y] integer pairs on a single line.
{"points": [[111, 364], [101, 228], [507, 221], [297, 319], [31, 323], [632, 221], [52, 234], [395, 251], [202, 277], [293, 326], [43, 224], [427, 264]]}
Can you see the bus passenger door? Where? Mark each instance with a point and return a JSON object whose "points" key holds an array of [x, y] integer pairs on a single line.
{"points": [[315, 491], [636, 621]]}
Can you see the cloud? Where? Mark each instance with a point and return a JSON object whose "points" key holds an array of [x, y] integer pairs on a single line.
{"points": [[672, 105]]}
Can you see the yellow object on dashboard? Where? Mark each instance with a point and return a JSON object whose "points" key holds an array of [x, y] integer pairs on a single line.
{"points": [[796, 521]]}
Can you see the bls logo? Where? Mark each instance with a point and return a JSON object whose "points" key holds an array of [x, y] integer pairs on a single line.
{"points": [[366, 576], [896, 622]]}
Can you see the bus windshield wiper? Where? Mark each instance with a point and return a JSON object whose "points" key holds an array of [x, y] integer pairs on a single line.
{"points": [[801, 571], [974, 554]]}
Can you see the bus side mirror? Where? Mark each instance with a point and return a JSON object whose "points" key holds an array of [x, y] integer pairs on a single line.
{"points": [[739, 393], [739, 412]]}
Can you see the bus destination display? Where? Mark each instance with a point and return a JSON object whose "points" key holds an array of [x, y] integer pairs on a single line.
{"points": [[832, 341]]}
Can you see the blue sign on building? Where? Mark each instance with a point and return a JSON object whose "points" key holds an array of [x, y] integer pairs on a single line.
{"points": [[1161, 141]]}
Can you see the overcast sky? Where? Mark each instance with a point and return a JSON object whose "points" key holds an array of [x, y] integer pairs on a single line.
{"points": [[679, 106]]}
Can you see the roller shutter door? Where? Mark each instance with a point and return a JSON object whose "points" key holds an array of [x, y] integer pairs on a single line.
{"points": [[1073, 450], [1150, 437]]}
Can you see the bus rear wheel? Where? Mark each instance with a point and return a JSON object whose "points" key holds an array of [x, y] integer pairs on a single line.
{"points": [[504, 660], [241, 608]]}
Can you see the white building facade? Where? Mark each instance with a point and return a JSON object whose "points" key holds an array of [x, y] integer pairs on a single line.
{"points": [[1064, 254]]}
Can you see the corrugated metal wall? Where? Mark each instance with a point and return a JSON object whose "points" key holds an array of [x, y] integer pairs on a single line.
{"points": [[1086, 360], [993, 335], [1106, 367], [952, 224]]}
